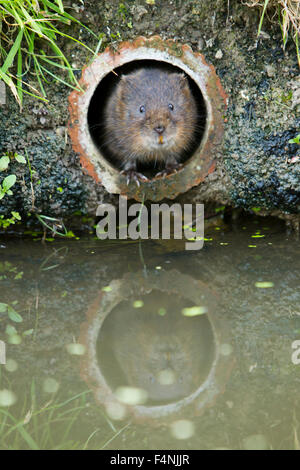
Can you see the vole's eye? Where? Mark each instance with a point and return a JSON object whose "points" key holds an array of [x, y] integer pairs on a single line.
{"points": [[142, 109], [171, 107]]}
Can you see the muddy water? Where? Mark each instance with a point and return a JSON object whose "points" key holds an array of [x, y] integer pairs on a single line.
{"points": [[147, 346]]}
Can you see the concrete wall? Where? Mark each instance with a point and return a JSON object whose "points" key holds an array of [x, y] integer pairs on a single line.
{"points": [[257, 166]]}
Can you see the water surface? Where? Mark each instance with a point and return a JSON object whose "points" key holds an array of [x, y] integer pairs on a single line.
{"points": [[132, 345]]}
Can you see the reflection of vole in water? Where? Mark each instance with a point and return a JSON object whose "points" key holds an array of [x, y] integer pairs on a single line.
{"points": [[169, 356], [150, 117]]}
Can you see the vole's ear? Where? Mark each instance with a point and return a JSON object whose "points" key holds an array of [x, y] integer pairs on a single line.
{"points": [[129, 82], [182, 80], [122, 86], [125, 80]]}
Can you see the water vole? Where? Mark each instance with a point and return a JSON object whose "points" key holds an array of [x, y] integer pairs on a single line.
{"points": [[150, 117], [168, 355]]}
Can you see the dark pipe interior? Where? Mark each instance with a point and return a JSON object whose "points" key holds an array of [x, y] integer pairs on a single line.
{"points": [[106, 86]]}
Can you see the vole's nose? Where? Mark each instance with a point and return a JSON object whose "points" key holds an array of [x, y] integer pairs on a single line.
{"points": [[159, 129]]}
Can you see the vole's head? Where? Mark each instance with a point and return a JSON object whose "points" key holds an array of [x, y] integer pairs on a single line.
{"points": [[158, 110]]}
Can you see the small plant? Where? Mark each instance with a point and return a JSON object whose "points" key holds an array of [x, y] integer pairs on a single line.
{"points": [[6, 185], [9, 181], [286, 97], [8, 270], [37, 425], [11, 312], [56, 226], [5, 160], [6, 222], [123, 12], [296, 140]]}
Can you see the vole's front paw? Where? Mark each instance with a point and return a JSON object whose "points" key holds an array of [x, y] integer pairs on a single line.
{"points": [[134, 176], [169, 170]]}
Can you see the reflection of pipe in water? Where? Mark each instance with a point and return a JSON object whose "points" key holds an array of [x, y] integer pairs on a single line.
{"points": [[162, 336], [156, 348]]}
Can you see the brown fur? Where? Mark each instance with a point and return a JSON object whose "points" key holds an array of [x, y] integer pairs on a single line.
{"points": [[132, 136]]}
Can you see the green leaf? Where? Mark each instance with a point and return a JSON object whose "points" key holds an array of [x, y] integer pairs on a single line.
{"points": [[13, 315], [8, 182], [16, 215], [28, 332], [10, 330], [4, 162], [59, 3], [20, 159], [70, 234], [19, 275], [296, 140], [3, 307]]}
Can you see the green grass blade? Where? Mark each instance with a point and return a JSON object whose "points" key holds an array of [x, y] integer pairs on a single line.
{"points": [[52, 62], [70, 17], [75, 40], [27, 438], [39, 74], [297, 47], [20, 428], [12, 53], [33, 95], [262, 17], [56, 77], [57, 50], [19, 76], [96, 50], [59, 3], [12, 12], [11, 85], [31, 23]]}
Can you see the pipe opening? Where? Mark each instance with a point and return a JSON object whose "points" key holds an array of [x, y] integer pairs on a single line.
{"points": [[107, 86], [192, 147], [162, 352]]}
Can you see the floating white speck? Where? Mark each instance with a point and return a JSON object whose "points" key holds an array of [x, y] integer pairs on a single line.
{"points": [[182, 429], [116, 411], [11, 365], [131, 395], [76, 349], [50, 385], [7, 398], [194, 311], [226, 349]]}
